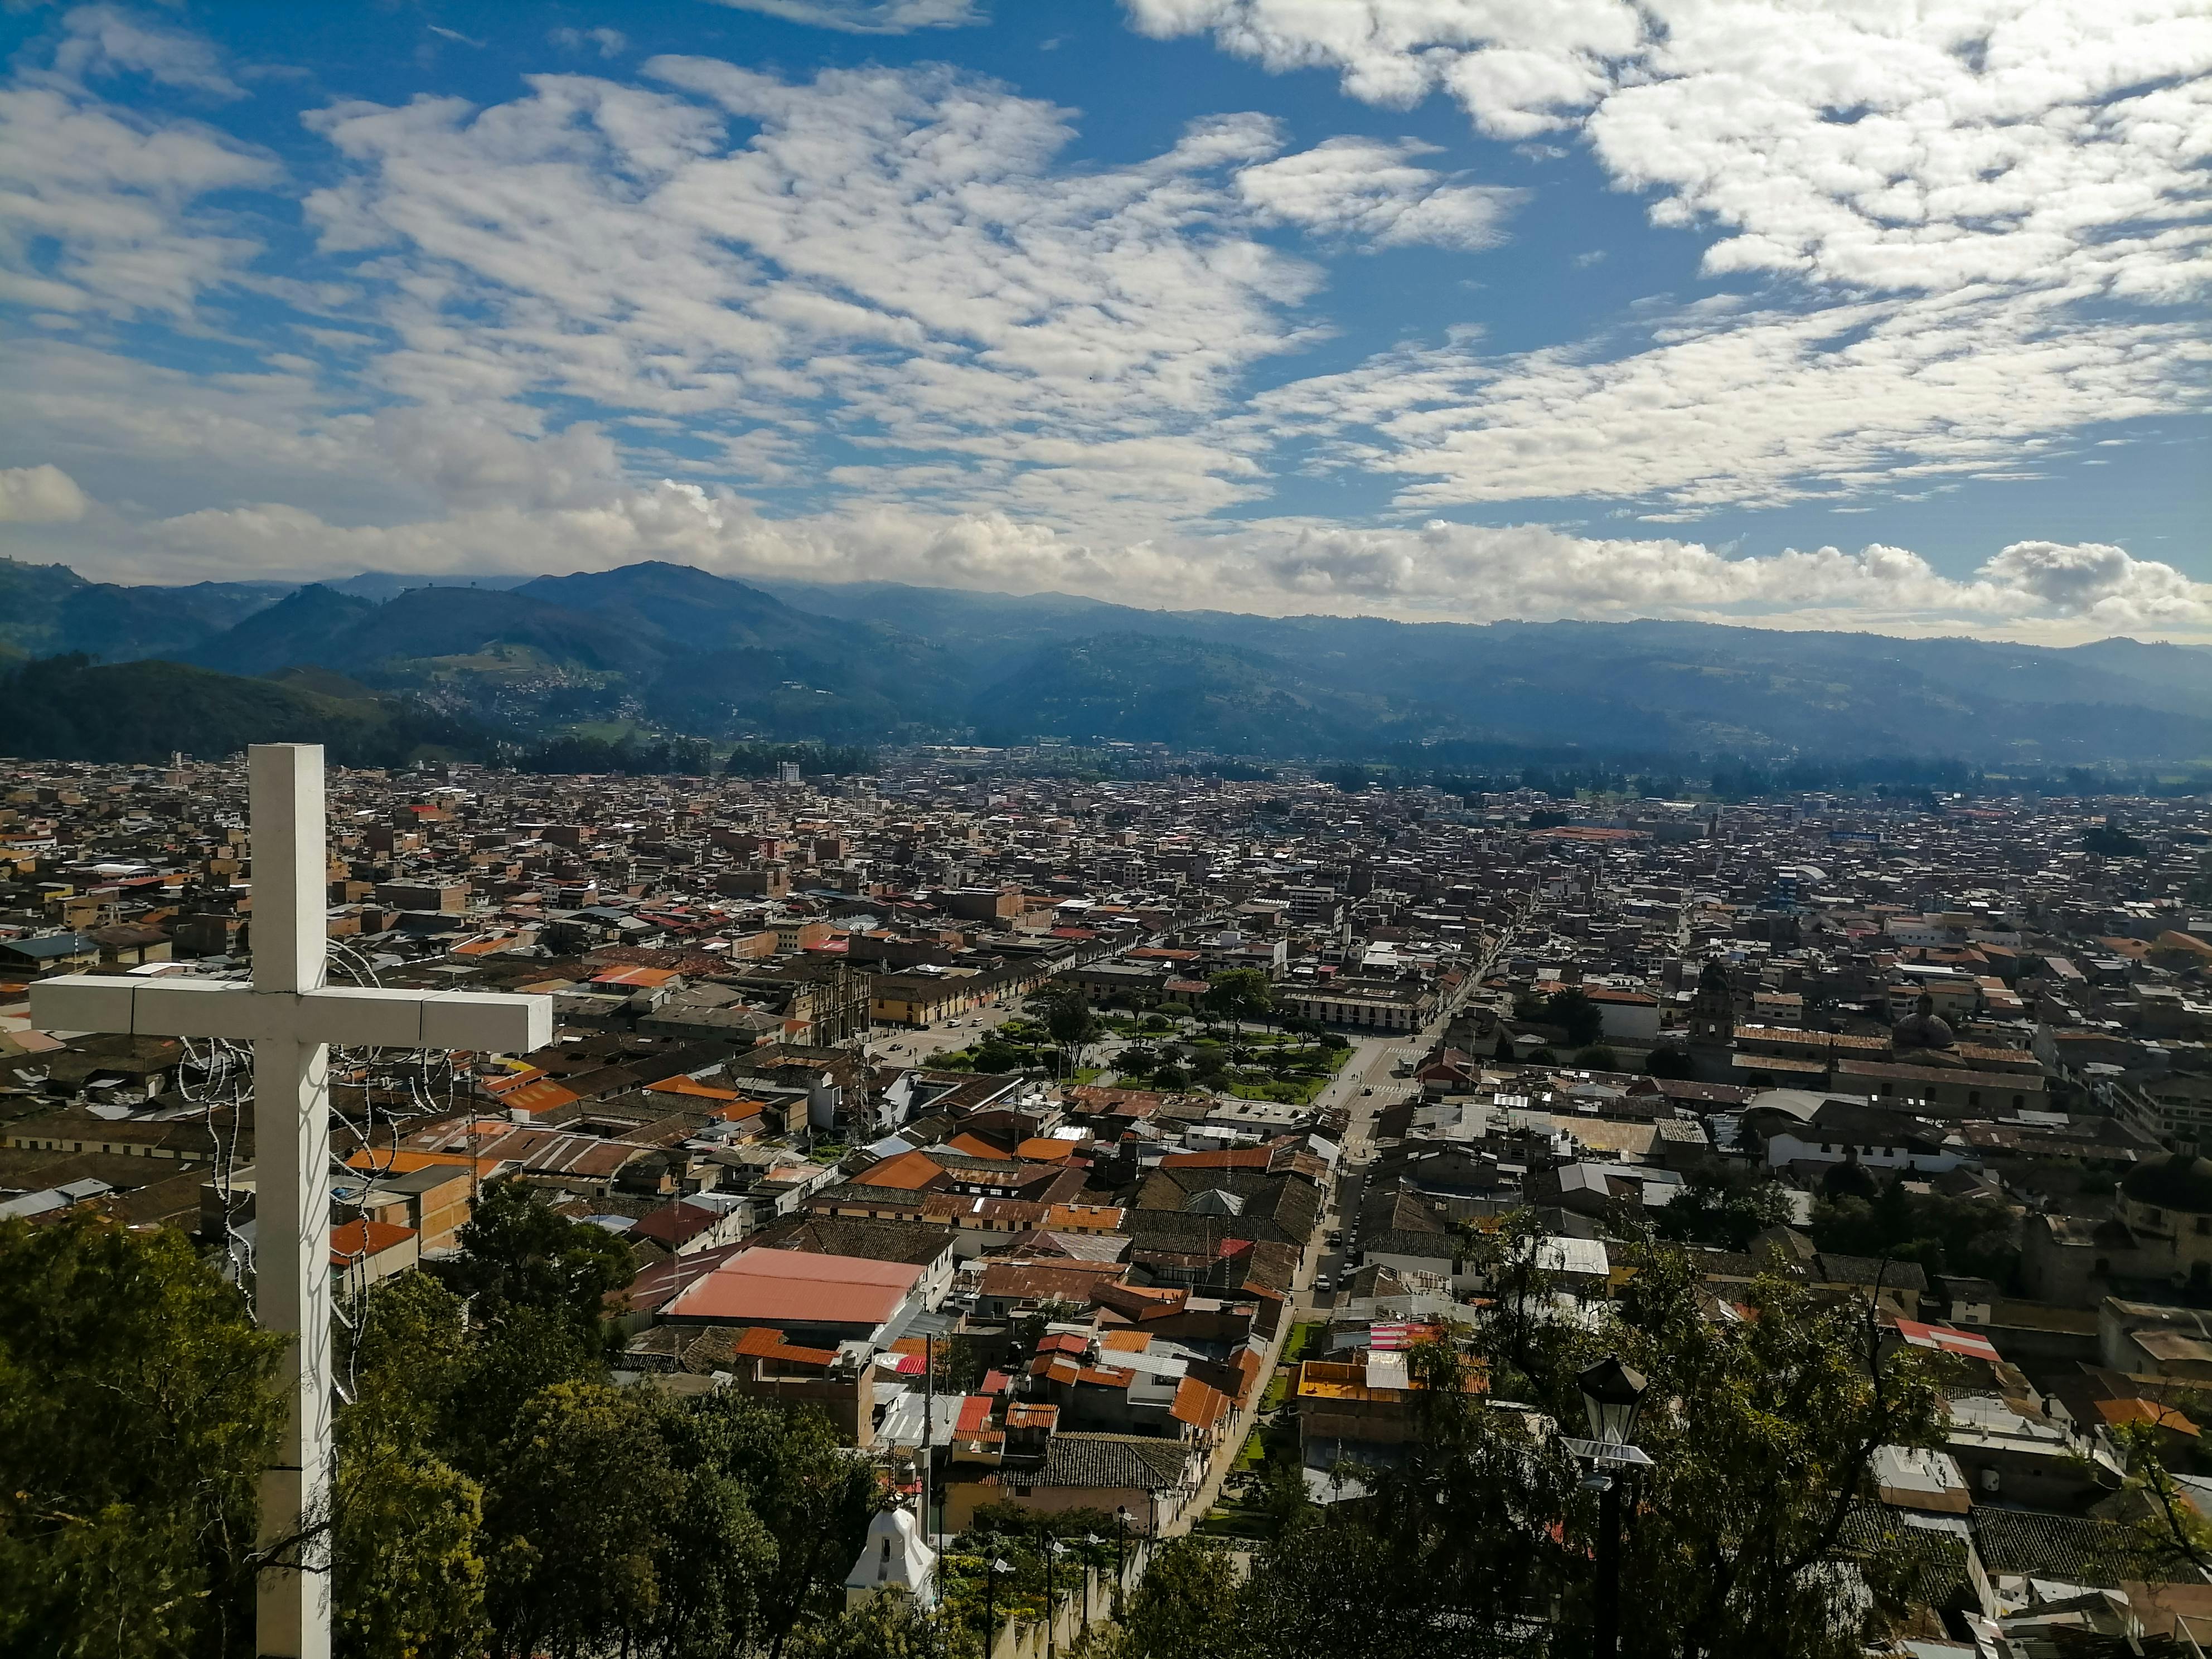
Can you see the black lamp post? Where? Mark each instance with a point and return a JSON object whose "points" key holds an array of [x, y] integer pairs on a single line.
{"points": [[1611, 1396], [1048, 1547], [1121, 1555], [991, 1569]]}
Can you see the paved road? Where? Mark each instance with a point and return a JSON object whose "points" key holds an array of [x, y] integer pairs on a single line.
{"points": [[905, 1048]]}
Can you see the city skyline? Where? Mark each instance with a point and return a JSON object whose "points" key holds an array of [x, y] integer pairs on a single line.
{"points": [[1825, 318]]}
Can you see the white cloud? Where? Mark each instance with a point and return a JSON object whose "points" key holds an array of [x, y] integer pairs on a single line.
{"points": [[869, 16], [2008, 141], [101, 209], [608, 43], [1522, 69], [987, 368], [102, 39], [2100, 581], [1473, 573], [40, 494], [1960, 191], [1742, 406], [1371, 191], [893, 256]]}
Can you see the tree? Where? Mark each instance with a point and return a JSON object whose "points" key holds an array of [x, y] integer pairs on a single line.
{"points": [[718, 1557], [811, 1495], [1187, 1606], [1454, 1551], [1671, 1063], [1073, 1024], [1761, 1433], [1943, 1234], [1237, 995], [1755, 1476], [996, 1056], [1171, 1077], [408, 1525], [888, 1626], [2110, 841], [2170, 1538], [1597, 1058], [1570, 1009], [516, 1253], [577, 1522], [1848, 1179], [1724, 1203], [137, 1411], [411, 1581]]}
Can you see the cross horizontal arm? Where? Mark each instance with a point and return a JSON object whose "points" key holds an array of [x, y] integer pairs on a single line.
{"points": [[346, 1014]]}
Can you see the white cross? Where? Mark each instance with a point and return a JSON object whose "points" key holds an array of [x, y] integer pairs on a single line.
{"points": [[291, 1016]]}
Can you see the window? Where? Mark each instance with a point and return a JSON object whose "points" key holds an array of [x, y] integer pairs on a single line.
{"points": [[1974, 1096], [2019, 1101]]}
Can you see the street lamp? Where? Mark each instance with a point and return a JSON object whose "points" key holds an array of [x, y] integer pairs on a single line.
{"points": [[1121, 1555], [1611, 1396], [1054, 1549], [991, 1569]]}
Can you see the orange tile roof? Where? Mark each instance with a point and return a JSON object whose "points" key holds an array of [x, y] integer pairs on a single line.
{"points": [[1083, 1217], [542, 1096], [908, 1171], [2116, 1411], [1199, 1404], [384, 1160], [352, 1240], [799, 1287], [693, 1087], [643, 978], [763, 1342], [1044, 1149]]}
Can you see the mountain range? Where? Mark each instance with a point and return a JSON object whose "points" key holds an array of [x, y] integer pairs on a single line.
{"points": [[681, 650]]}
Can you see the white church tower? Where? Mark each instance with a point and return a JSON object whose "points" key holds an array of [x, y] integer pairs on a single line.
{"points": [[895, 1557]]}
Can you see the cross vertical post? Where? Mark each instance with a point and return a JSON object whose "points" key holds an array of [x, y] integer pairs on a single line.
{"points": [[291, 1018], [292, 1155]]}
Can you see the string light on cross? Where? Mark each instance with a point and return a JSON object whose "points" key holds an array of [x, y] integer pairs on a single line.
{"points": [[291, 1018]]}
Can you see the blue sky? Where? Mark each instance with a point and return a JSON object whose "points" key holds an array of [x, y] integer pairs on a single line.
{"points": [[1863, 315]]}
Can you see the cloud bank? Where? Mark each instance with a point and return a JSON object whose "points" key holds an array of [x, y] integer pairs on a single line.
{"points": [[885, 322]]}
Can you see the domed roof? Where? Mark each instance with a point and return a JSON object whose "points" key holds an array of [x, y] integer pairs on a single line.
{"points": [[1924, 1028], [2178, 1182]]}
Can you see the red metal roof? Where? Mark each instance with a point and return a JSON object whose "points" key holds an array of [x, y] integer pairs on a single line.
{"points": [[761, 1286]]}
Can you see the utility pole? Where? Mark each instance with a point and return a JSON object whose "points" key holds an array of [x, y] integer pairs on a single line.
{"points": [[928, 1429]]}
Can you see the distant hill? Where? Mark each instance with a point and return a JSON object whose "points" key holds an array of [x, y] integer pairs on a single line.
{"points": [[781, 661], [738, 660], [65, 708], [1184, 693], [48, 610]]}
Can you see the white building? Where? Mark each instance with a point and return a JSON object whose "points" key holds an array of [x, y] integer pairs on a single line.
{"points": [[896, 1557]]}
